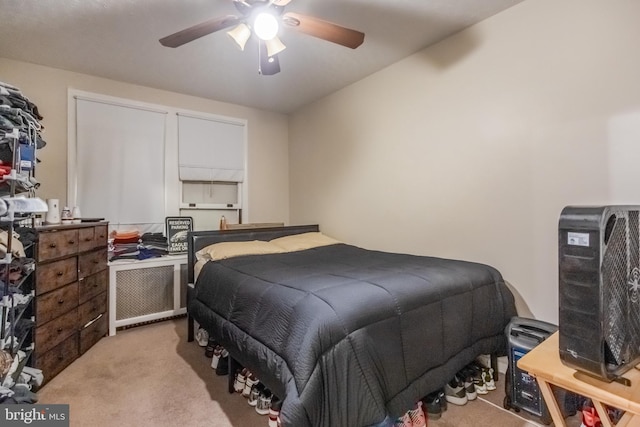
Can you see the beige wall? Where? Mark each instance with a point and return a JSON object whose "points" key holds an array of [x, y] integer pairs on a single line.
{"points": [[267, 181], [468, 149], [471, 148]]}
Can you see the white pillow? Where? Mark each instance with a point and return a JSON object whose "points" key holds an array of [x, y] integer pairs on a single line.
{"points": [[224, 250], [300, 242]]}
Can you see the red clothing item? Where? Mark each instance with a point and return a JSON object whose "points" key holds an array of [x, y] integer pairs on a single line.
{"points": [[118, 240]]}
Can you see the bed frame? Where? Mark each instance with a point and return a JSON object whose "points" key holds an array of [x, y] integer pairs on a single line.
{"points": [[199, 239]]}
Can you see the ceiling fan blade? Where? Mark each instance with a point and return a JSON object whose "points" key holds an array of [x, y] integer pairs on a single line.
{"points": [[200, 30], [281, 2], [269, 65], [243, 7], [324, 30]]}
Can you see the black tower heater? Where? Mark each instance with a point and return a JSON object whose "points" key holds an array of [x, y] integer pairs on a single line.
{"points": [[599, 281]]}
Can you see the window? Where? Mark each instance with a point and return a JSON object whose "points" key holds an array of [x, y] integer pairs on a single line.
{"points": [[119, 159], [210, 150], [134, 163]]}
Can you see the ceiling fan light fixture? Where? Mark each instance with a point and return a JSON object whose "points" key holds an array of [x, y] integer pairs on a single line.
{"points": [[263, 18], [265, 25], [240, 34], [274, 46]]}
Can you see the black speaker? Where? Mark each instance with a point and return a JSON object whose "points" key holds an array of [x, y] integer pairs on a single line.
{"points": [[599, 300], [521, 389]]}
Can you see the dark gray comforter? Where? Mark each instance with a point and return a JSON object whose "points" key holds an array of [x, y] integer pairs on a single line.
{"points": [[349, 336]]}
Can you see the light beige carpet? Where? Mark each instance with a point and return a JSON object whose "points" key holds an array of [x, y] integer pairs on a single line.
{"points": [[151, 376]]}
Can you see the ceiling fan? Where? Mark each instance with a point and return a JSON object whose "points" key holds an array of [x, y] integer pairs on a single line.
{"points": [[262, 18]]}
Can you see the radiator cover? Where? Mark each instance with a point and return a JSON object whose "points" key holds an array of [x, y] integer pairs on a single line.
{"points": [[147, 290], [144, 291]]}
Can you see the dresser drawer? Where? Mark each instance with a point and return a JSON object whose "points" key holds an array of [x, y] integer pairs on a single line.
{"points": [[56, 303], [58, 358], [92, 237], [71, 281], [93, 285], [56, 274], [92, 309], [92, 262], [101, 236], [57, 244], [92, 333], [55, 331]]}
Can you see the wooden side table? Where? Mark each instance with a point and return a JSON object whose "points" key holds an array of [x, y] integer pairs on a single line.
{"points": [[544, 363]]}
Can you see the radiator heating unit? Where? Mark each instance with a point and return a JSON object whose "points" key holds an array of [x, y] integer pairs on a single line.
{"points": [[146, 291]]}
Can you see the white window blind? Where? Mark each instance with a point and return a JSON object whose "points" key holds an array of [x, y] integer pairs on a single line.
{"points": [[120, 164], [210, 150]]}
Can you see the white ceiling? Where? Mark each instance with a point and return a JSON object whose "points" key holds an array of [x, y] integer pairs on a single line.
{"points": [[118, 39]]}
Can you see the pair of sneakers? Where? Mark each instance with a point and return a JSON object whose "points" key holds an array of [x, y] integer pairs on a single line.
{"points": [[487, 377], [260, 398], [263, 404], [202, 337], [466, 385], [249, 383], [274, 412], [240, 380], [210, 347], [220, 360], [480, 376], [413, 418], [460, 389], [254, 394], [459, 392], [434, 404]]}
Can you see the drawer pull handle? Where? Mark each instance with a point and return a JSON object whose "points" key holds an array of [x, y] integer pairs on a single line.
{"points": [[52, 245], [72, 242], [60, 301], [88, 239], [60, 357], [96, 261], [59, 330], [60, 273], [93, 321]]}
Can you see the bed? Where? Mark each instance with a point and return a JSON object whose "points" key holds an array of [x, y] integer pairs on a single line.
{"points": [[346, 336]]}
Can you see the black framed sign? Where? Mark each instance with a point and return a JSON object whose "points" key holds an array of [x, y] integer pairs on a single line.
{"points": [[177, 229]]}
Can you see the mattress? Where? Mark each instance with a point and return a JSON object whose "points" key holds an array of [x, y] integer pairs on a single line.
{"points": [[348, 336]]}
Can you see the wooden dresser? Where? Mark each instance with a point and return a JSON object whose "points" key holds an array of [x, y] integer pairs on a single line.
{"points": [[71, 288]]}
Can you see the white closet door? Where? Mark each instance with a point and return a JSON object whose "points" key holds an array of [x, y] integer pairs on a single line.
{"points": [[120, 163]]}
